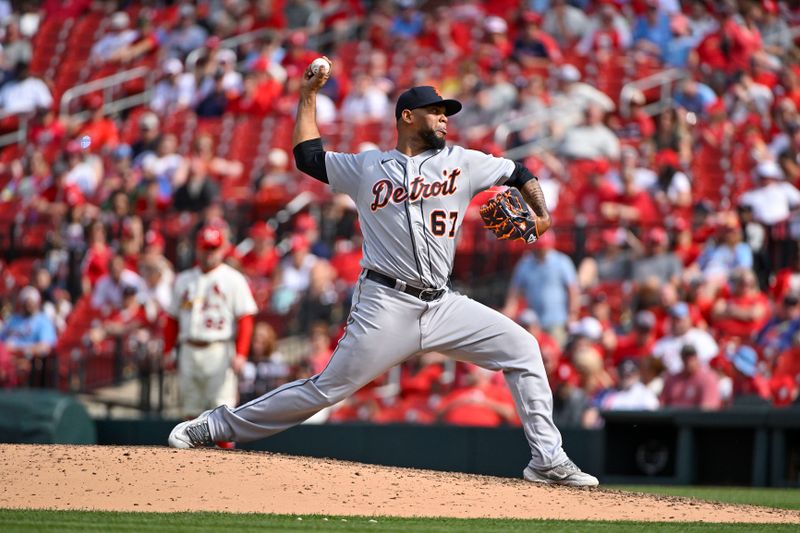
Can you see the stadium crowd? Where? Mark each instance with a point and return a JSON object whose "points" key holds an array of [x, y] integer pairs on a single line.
{"points": [[671, 279]]}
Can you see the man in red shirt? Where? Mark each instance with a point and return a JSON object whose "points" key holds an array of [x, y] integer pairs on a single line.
{"points": [[638, 343], [744, 311], [696, 386], [482, 403], [262, 259]]}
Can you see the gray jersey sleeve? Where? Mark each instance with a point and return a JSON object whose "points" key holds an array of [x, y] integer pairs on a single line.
{"points": [[486, 170], [345, 172]]}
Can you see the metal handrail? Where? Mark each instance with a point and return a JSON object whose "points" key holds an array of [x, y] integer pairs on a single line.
{"points": [[664, 79], [104, 84]]}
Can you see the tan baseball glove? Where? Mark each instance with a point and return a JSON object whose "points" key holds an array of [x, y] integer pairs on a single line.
{"points": [[508, 217]]}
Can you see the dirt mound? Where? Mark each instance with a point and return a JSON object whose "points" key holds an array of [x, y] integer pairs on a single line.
{"points": [[160, 479]]}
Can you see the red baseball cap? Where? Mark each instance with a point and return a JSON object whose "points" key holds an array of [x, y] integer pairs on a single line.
{"points": [[210, 237], [261, 230], [153, 238]]}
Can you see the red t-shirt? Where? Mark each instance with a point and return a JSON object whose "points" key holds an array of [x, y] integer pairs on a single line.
{"points": [[588, 199], [735, 327], [628, 347], [692, 391], [95, 263], [260, 264], [347, 265], [470, 407]]}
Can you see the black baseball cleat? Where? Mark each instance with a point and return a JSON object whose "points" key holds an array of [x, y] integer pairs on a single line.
{"points": [[566, 473], [192, 433]]}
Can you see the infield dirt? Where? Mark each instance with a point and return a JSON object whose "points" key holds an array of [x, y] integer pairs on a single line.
{"points": [[155, 479]]}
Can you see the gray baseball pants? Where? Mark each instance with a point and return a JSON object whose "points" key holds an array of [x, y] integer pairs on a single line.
{"points": [[385, 328]]}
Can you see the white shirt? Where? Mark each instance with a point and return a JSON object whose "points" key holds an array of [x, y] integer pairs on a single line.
{"points": [[108, 294], [25, 96], [668, 348], [168, 96], [637, 398], [591, 142], [208, 304], [111, 43], [372, 105], [772, 203]]}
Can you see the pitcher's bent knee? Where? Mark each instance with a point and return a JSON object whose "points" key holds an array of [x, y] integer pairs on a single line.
{"points": [[520, 350]]}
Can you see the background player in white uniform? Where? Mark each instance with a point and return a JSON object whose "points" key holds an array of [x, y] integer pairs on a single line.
{"points": [[211, 318], [411, 202]]}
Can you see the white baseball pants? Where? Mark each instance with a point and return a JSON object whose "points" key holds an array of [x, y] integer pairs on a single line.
{"points": [[385, 328]]}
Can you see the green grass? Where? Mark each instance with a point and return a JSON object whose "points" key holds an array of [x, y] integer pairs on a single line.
{"points": [[780, 498], [82, 521]]}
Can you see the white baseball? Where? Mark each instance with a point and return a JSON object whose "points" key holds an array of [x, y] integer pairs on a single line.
{"points": [[318, 62]]}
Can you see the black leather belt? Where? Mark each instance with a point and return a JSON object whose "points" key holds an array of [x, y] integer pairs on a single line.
{"points": [[426, 295]]}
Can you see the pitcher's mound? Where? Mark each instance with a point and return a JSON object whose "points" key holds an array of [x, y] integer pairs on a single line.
{"points": [[160, 479]]}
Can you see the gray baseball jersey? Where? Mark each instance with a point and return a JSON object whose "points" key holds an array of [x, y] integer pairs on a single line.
{"points": [[411, 209]]}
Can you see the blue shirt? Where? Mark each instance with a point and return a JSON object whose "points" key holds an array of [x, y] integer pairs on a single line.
{"points": [[659, 34], [545, 286], [723, 259], [29, 330]]}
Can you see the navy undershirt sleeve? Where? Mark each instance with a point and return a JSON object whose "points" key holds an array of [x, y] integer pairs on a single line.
{"points": [[309, 156], [520, 176]]}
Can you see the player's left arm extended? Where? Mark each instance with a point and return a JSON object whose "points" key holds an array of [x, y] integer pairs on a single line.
{"points": [[534, 197]]}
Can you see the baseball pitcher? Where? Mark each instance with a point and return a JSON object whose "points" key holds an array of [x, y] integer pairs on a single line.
{"points": [[411, 203]]}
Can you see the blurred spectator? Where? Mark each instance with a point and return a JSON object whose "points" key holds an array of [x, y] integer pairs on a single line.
{"points": [[565, 22], [16, 48], [694, 97], [774, 199], [175, 91], [608, 33], [652, 28], [262, 259], [630, 394], [213, 103], [59, 196], [682, 333], [149, 135], [25, 93], [611, 263], [158, 280], [632, 205], [187, 35], [572, 99], [672, 189], [293, 275], [480, 403], [55, 301], [365, 102], [147, 40], [748, 382], [640, 342], [547, 280], [197, 193], [120, 35], [570, 403], [534, 47], [679, 50], [592, 139], [408, 22], [320, 302], [163, 165], [778, 333], [265, 369], [107, 293], [743, 310], [656, 260], [652, 372], [101, 131], [721, 257], [28, 333], [203, 161], [695, 386], [46, 129], [549, 348]]}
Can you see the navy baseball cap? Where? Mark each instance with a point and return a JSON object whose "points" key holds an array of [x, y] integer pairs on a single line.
{"points": [[422, 96]]}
